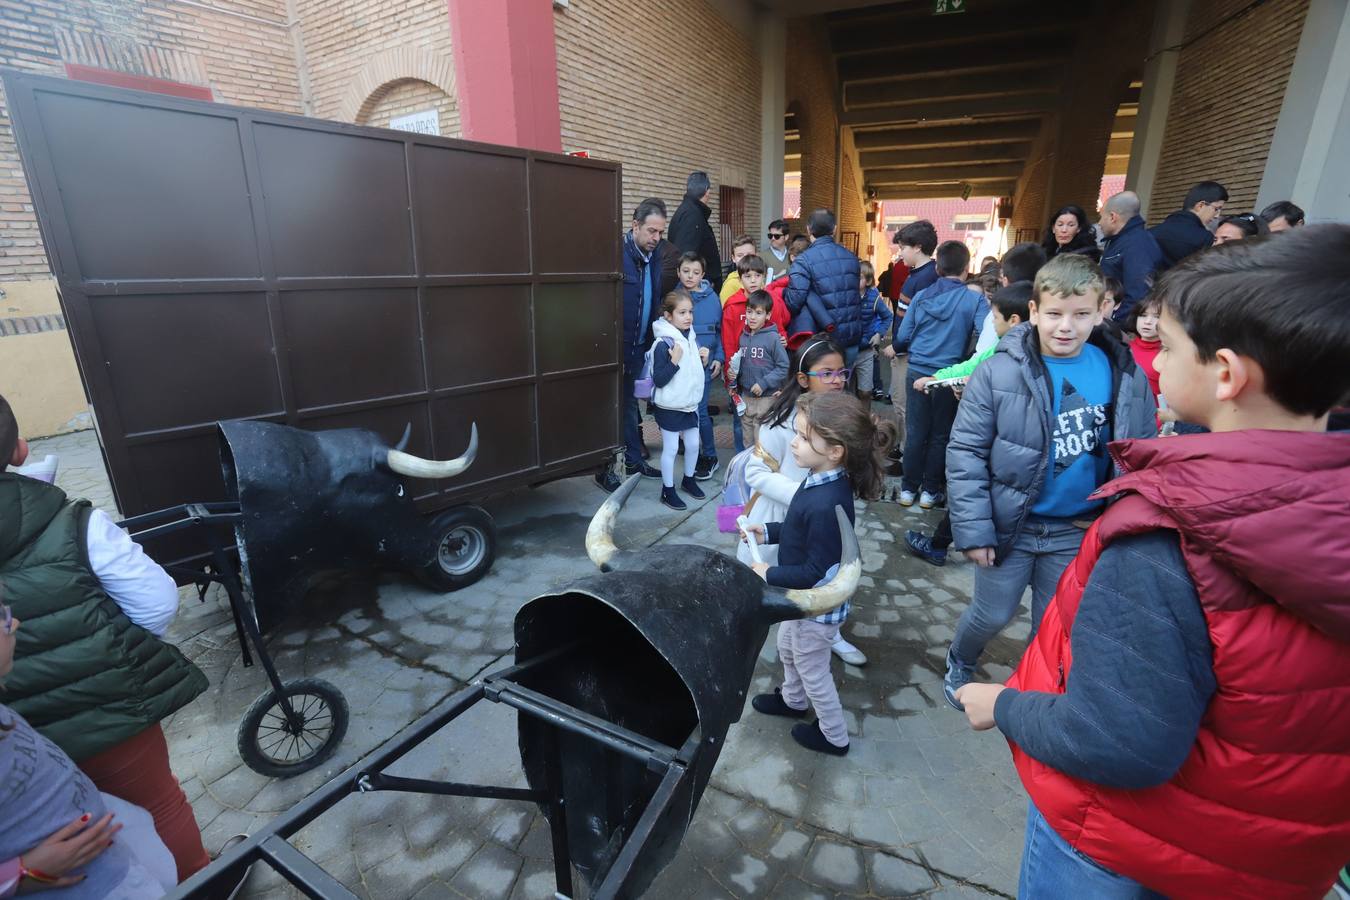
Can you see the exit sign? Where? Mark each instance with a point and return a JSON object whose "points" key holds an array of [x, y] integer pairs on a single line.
{"points": [[943, 7]]}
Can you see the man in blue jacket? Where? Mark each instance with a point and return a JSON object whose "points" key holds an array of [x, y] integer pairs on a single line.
{"points": [[1130, 255], [1186, 231], [822, 291], [642, 292]]}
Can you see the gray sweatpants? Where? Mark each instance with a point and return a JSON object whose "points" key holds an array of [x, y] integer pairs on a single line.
{"points": [[804, 648]]}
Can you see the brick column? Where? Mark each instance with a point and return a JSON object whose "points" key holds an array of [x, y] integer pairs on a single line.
{"points": [[506, 67]]}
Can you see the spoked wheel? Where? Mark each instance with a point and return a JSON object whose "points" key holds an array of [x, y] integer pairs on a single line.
{"points": [[280, 746], [466, 543]]}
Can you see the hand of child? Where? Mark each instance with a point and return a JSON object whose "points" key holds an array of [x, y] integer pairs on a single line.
{"points": [[979, 700], [676, 353], [756, 391], [782, 339], [715, 369], [758, 531], [762, 570], [70, 848], [981, 556], [703, 355], [925, 381], [888, 351]]}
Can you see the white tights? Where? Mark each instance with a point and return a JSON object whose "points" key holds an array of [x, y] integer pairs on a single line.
{"points": [[670, 446]]}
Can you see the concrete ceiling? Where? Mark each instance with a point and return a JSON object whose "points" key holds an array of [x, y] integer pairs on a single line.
{"points": [[937, 102]]}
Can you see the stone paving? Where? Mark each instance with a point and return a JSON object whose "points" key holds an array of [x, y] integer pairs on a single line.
{"points": [[921, 806]]}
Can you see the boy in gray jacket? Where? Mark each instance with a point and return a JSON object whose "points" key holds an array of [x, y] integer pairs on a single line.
{"points": [[763, 362], [1028, 448]]}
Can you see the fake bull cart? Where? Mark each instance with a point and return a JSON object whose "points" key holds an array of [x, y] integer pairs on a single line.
{"points": [[221, 264]]}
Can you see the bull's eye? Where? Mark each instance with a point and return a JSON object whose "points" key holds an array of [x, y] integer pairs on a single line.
{"points": [[400, 490]]}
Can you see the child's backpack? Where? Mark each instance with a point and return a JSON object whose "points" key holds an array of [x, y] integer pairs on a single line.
{"points": [[645, 386]]}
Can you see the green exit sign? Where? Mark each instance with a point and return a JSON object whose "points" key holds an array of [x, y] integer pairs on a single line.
{"points": [[943, 7]]}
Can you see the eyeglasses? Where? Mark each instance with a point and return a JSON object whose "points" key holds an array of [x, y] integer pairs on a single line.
{"points": [[6, 620], [774, 237], [831, 375]]}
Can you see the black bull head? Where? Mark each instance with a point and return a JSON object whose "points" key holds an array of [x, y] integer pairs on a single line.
{"points": [[320, 501], [668, 638]]}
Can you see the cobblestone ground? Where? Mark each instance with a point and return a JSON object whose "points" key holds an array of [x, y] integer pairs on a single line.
{"points": [[921, 805]]}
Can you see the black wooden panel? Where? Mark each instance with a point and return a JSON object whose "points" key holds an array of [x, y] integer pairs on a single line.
{"points": [[176, 359], [126, 174], [505, 418], [574, 218], [477, 334], [337, 204], [469, 212], [349, 345], [577, 415], [174, 470]]}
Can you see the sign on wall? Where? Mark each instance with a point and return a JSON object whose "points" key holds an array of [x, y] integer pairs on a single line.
{"points": [[424, 121]]}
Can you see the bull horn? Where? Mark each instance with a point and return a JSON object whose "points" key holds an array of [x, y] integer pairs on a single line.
{"points": [[600, 535], [831, 595], [417, 467]]}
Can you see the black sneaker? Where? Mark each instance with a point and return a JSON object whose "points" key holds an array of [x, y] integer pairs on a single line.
{"points": [[888, 401], [774, 705], [921, 545], [672, 499], [878, 395], [707, 465], [809, 735], [896, 453], [690, 487], [607, 481], [645, 470]]}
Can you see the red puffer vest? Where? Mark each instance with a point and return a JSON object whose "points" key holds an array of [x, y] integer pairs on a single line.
{"points": [[1259, 808]]}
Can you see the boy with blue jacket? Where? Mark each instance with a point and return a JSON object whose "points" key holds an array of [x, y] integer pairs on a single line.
{"points": [[936, 331], [708, 333]]}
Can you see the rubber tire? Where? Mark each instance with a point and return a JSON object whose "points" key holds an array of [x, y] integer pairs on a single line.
{"points": [[469, 517], [252, 754]]}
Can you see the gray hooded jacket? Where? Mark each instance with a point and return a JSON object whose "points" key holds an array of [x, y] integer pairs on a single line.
{"points": [[1000, 444]]}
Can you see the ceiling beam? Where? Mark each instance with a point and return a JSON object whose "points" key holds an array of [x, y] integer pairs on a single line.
{"points": [[938, 156], [1119, 147], [972, 174], [945, 31], [948, 110], [941, 62], [883, 93], [945, 191], [947, 135]]}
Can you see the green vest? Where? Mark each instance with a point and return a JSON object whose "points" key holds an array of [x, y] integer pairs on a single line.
{"points": [[84, 675]]}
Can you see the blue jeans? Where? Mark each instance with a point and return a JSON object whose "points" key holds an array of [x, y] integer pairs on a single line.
{"points": [[1042, 551], [737, 435], [928, 426], [632, 429], [1053, 869], [705, 424]]}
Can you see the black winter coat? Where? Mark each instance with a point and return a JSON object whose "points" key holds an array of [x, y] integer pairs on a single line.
{"points": [[1179, 235], [691, 229]]}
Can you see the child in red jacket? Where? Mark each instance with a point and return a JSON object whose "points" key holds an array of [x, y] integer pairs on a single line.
{"points": [[1176, 718]]}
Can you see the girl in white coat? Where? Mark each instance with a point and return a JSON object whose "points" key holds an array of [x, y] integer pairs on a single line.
{"points": [[771, 473], [677, 374]]}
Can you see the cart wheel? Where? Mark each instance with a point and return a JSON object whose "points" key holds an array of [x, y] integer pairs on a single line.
{"points": [[270, 745], [466, 543]]}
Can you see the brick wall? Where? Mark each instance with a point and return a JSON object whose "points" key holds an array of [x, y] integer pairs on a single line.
{"points": [[240, 49], [665, 89], [1220, 128], [409, 96], [811, 95]]}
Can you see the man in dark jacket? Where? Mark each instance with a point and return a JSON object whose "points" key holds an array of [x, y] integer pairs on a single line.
{"points": [[822, 292], [644, 284], [1187, 231], [691, 229], [1131, 255]]}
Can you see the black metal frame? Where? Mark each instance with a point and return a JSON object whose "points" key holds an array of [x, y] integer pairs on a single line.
{"points": [[270, 844], [214, 524]]}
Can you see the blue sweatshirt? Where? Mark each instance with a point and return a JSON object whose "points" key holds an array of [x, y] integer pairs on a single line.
{"points": [[878, 315], [938, 327], [808, 537], [1142, 676], [708, 320]]}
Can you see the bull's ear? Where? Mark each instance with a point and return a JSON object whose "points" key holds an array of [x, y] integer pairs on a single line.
{"points": [[407, 436]]}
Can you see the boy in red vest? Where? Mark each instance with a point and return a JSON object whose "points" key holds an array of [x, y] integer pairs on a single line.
{"points": [[1179, 718]]}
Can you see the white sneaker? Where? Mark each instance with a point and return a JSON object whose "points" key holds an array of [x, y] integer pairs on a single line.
{"points": [[927, 500], [906, 498], [848, 653]]}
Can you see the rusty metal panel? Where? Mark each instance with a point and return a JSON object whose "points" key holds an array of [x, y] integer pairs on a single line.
{"points": [[218, 262]]}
